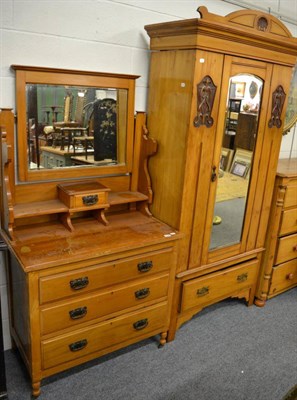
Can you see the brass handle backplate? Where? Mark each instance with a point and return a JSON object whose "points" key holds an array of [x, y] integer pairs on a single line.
{"points": [[79, 283], [78, 313], [203, 291], [76, 346], [90, 200], [145, 266], [242, 277], [141, 324], [142, 293]]}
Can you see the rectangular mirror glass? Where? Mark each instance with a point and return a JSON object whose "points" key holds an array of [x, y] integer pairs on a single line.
{"points": [[75, 126]]}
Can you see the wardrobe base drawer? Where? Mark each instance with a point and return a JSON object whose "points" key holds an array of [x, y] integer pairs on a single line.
{"points": [[283, 277], [204, 290], [66, 348]]}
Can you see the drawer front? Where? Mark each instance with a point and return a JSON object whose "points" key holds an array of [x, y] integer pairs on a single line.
{"points": [[76, 283], [287, 249], [115, 299], [291, 196], [97, 337], [200, 291], [87, 201], [283, 277], [288, 222]]}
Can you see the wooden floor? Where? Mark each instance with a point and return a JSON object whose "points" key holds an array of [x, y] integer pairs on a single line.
{"points": [[231, 186]]}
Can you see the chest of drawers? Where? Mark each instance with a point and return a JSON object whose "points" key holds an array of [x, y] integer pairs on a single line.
{"points": [[77, 298], [279, 268]]}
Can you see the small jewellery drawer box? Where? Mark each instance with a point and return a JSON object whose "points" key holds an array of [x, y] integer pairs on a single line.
{"points": [[83, 195]]}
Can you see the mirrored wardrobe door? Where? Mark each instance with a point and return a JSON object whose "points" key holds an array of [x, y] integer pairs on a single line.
{"points": [[233, 175], [237, 151], [236, 159]]}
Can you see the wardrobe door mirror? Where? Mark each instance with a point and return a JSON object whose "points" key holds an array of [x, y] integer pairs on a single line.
{"points": [[236, 159]]}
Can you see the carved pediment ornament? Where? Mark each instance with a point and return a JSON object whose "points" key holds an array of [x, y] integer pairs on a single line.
{"points": [[206, 91], [278, 99]]}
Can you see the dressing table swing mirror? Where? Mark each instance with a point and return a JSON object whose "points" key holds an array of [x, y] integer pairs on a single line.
{"points": [[91, 270]]}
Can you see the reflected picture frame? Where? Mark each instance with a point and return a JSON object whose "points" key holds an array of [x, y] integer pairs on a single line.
{"points": [[237, 90], [226, 159], [240, 168]]}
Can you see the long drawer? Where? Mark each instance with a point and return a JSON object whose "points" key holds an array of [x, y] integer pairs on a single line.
{"points": [[200, 291], [283, 277], [117, 298], [75, 283], [82, 342], [288, 222], [287, 249]]}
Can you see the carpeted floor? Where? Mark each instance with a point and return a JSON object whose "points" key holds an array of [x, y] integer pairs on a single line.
{"points": [[229, 230], [227, 352]]}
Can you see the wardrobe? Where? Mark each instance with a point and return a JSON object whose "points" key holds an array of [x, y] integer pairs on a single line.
{"points": [[207, 76]]}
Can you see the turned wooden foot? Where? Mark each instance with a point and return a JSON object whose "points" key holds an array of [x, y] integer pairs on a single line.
{"points": [[36, 389], [162, 339], [260, 302]]}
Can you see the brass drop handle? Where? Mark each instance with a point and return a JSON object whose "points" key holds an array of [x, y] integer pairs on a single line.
{"points": [[141, 324], [242, 277], [90, 200], [78, 313], [145, 266], [142, 293], [214, 174], [76, 346], [79, 283], [290, 276], [203, 291]]}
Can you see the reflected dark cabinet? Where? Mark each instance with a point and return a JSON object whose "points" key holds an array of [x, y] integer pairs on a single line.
{"points": [[246, 131], [207, 77]]}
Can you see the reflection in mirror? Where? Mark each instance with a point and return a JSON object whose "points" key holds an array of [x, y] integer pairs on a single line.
{"points": [[75, 126], [241, 122]]}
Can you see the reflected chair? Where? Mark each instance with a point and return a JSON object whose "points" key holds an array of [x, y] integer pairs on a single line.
{"points": [[51, 132], [84, 135]]}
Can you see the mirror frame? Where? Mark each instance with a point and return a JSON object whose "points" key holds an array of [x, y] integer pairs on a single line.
{"points": [[290, 121], [54, 76]]}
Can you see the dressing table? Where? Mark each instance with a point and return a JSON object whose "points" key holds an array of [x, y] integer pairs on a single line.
{"points": [[91, 270]]}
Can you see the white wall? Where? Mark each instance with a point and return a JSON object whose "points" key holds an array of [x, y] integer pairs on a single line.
{"points": [[96, 35]]}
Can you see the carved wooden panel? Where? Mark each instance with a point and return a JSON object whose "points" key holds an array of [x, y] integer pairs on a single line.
{"points": [[278, 99], [206, 91]]}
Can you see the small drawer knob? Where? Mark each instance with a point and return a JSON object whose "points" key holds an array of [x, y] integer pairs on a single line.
{"points": [[290, 276], [295, 248]]}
